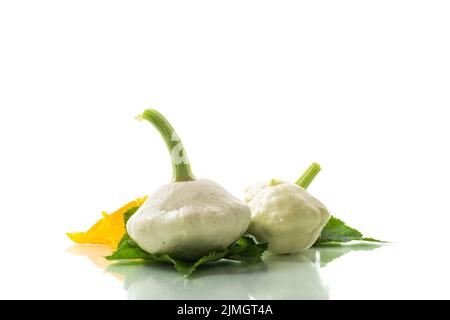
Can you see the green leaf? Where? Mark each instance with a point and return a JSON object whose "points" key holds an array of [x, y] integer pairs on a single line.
{"points": [[372, 240], [337, 231], [128, 249], [127, 215], [187, 268], [244, 250]]}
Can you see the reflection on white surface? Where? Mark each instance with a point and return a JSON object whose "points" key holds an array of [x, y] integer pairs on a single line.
{"points": [[280, 277], [295, 276]]}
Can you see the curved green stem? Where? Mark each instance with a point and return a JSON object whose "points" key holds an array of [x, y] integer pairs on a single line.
{"points": [[180, 163], [308, 176]]}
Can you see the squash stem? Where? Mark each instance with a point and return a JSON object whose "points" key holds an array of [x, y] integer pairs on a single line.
{"points": [[180, 163], [308, 176]]}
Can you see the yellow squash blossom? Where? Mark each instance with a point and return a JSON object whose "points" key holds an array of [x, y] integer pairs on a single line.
{"points": [[109, 229]]}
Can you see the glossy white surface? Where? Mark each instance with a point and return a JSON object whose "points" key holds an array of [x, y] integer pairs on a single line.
{"points": [[359, 272]]}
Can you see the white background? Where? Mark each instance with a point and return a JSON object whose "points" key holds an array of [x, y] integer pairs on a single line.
{"points": [[256, 90]]}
